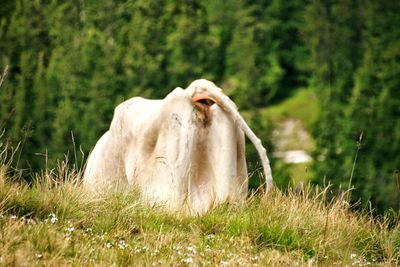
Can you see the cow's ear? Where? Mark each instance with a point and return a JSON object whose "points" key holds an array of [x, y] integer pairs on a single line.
{"points": [[203, 99]]}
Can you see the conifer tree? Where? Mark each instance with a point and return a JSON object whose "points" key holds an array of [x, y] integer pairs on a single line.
{"points": [[190, 46], [333, 35], [144, 39], [25, 48], [266, 51], [375, 108], [242, 51]]}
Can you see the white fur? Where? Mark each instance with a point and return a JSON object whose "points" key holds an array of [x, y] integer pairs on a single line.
{"points": [[166, 149]]}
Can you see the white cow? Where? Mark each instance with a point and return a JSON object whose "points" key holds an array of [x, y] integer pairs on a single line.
{"points": [[184, 151]]}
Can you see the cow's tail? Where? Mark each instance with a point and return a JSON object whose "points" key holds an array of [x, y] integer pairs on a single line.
{"points": [[227, 105]]}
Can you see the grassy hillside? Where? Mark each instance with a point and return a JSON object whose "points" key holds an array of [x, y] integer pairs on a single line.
{"points": [[293, 119], [55, 223], [302, 106]]}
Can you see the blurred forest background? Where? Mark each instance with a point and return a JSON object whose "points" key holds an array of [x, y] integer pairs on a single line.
{"points": [[71, 62]]}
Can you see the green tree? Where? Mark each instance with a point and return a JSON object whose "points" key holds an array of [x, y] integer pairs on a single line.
{"points": [[356, 71], [266, 51], [190, 46], [375, 108], [144, 60], [242, 51], [333, 35], [26, 49]]}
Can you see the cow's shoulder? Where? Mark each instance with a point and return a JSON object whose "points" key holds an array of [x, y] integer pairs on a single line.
{"points": [[135, 112], [135, 106], [129, 104]]}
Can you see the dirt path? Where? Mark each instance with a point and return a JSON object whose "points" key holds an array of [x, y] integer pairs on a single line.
{"points": [[292, 142]]}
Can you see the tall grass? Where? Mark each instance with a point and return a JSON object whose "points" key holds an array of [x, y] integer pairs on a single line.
{"points": [[54, 222]]}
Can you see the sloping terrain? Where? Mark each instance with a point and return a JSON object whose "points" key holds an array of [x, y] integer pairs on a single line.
{"points": [[54, 223], [293, 119]]}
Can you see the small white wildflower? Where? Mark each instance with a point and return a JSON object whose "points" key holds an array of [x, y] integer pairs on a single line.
{"points": [[188, 260], [191, 249], [71, 229], [109, 244], [255, 258], [53, 218], [310, 262], [154, 252], [353, 255], [68, 236], [122, 244], [38, 255], [210, 236], [13, 217]]}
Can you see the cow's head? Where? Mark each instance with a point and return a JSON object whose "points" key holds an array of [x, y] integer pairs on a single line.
{"points": [[199, 91], [204, 94]]}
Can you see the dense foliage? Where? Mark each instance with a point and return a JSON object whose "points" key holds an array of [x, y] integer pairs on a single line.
{"points": [[356, 58], [71, 62]]}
